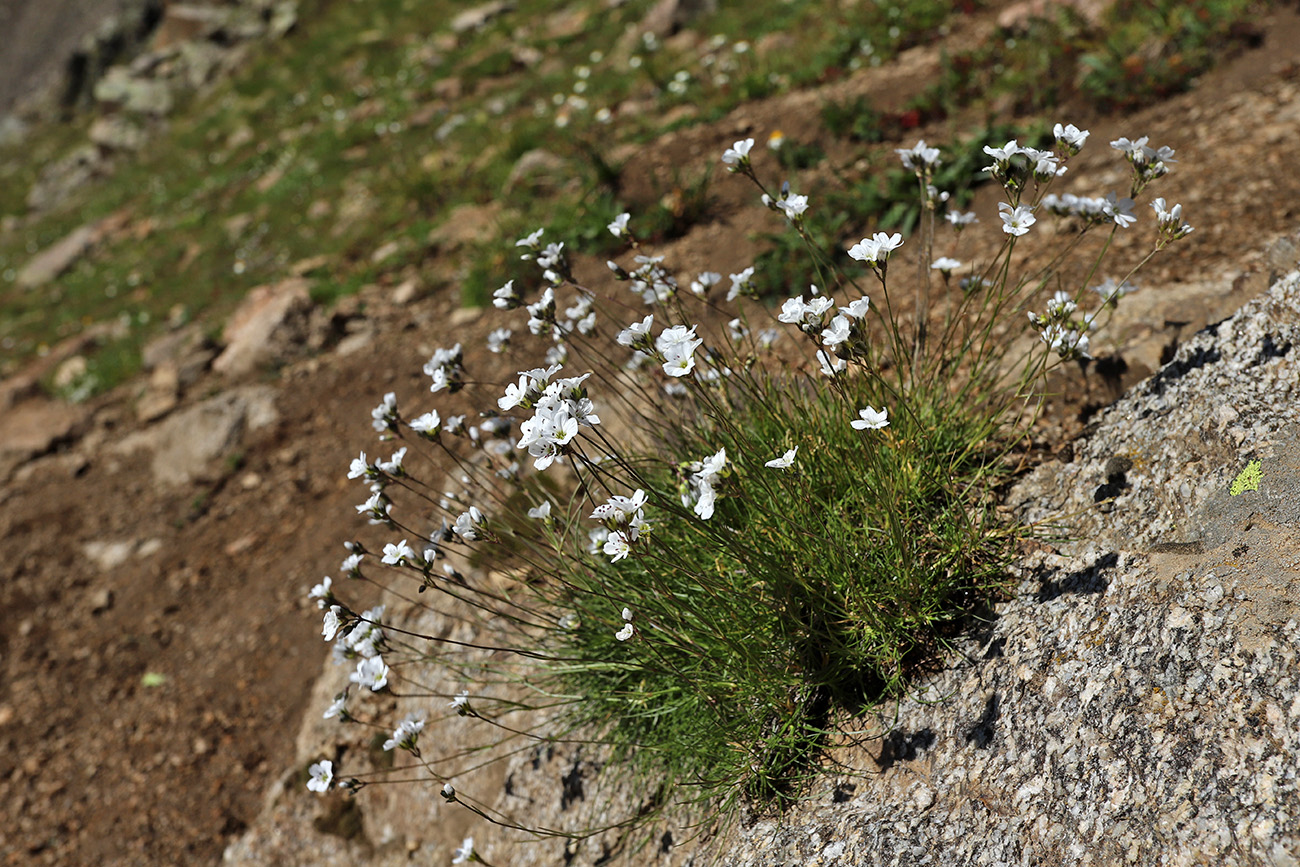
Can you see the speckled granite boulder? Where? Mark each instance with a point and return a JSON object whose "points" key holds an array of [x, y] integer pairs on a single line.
{"points": [[1137, 701]]}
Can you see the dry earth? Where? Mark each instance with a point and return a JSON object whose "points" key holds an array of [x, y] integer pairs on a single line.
{"points": [[158, 649]]}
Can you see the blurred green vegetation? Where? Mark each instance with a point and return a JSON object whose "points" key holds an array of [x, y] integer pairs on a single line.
{"points": [[366, 126]]}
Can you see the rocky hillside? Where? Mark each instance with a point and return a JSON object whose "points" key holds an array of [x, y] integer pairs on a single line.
{"points": [[218, 264]]}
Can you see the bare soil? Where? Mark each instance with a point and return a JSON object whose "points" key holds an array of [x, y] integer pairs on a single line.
{"points": [[101, 764]]}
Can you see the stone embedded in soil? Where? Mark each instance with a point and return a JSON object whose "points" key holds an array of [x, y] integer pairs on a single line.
{"points": [[269, 327], [196, 444]]}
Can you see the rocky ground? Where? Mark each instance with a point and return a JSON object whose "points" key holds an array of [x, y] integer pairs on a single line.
{"points": [[158, 541]]}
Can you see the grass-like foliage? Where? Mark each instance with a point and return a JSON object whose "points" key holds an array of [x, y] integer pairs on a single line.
{"points": [[730, 544]]}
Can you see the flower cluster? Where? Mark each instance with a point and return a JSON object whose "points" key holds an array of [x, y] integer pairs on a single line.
{"points": [[700, 490], [706, 514], [875, 251], [624, 522], [560, 408], [446, 368]]}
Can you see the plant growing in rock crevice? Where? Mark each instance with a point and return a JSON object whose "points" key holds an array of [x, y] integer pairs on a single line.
{"points": [[723, 541]]}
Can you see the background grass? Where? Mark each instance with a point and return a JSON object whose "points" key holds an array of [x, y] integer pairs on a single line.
{"points": [[371, 122]]}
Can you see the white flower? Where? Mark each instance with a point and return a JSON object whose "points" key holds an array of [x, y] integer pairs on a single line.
{"points": [[449, 791], [627, 614], [407, 733], [1119, 210], [383, 416], [876, 249], [1070, 138], [626, 632], [338, 706], [542, 512], [784, 462], [960, 220], [321, 592], [460, 701], [738, 154], [466, 851], [918, 157], [360, 467], [396, 555], [499, 340], [946, 265], [468, 524], [677, 345], [532, 240], [619, 511], [794, 207], [322, 775], [706, 281], [427, 424], [637, 334], [830, 365], [1066, 342], [371, 672], [1016, 221], [857, 309], [871, 419], [618, 228], [393, 466], [1171, 222], [707, 498], [1111, 292], [838, 332], [1002, 156], [617, 546], [740, 282], [506, 298], [332, 623]]}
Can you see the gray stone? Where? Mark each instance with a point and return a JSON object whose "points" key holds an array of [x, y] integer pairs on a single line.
{"points": [[465, 224], [35, 427], [193, 444], [669, 16], [54, 260], [66, 175], [270, 327], [537, 169], [117, 133], [136, 95], [479, 16]]}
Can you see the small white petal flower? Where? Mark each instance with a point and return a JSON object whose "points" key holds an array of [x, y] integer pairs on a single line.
{"points": [[626, 632], [794, 207], [337, 707], [371, 672], [738, 154], [322, 593], [1016, 221], [332, 623], [322, 775], [871, 419], [618, 228], [1070, 137], [427, 424], [784, 462], [945, 264], [465, 853]]}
